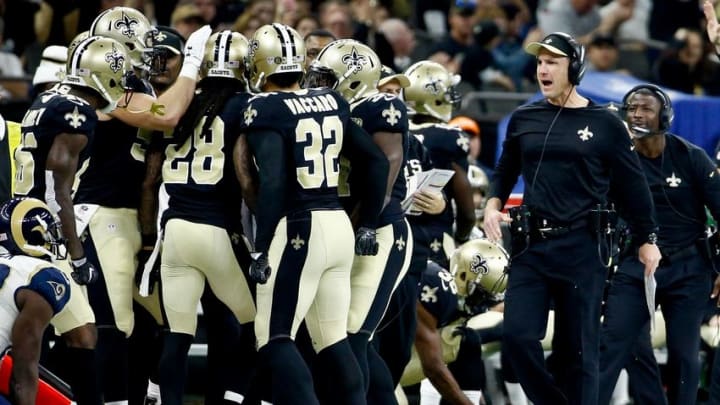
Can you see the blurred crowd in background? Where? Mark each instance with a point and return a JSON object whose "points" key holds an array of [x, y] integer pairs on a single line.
{"points": [[660, 41]]}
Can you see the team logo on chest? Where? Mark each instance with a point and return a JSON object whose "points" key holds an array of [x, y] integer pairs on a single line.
{"points": [[391, 115], [673, 181], [126, 25], [585, 134], [435, 245], [463, 142], [400, 243], [354, 61], [75, 119]]}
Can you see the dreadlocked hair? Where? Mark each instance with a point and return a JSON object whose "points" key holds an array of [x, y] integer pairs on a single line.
{"points": [[210, 97]]}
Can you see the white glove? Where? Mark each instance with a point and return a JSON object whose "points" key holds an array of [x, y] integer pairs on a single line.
{"points": [[194, 50]]}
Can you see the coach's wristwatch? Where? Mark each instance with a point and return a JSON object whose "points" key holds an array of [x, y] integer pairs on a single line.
{"points": [[651, 238]]}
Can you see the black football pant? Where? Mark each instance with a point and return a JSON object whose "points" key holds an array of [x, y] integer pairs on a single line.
{"points": [[683, 289], [567, 271]]}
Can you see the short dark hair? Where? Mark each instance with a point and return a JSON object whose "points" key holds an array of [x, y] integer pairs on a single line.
{"points": [[320, 33]]}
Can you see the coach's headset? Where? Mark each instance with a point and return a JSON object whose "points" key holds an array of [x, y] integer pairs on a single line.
{"points": [[566, 44], [666, 110]]}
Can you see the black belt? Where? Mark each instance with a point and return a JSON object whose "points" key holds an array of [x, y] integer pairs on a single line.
{"points": [[673, 254], [546, 229]]}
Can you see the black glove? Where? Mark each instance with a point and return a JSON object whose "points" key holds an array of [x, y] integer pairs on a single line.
{"points": [[83, 272], [259, 268], [470, 337], [365, 242], [143, 256]]}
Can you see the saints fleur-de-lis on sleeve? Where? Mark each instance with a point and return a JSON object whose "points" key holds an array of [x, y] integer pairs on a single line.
{"points": [[249, 115], [392, 115], [75, 119]]}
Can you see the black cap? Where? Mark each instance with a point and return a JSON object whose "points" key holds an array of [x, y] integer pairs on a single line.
{"points": [[603, 40], [554, 43], [170, 39], [464, 8]]}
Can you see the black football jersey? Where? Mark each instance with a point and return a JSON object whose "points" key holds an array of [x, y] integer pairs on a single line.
{"points": [[51, 114], [384, 112], [116, 167], [199, 175], [438, 294], [312, 123]]}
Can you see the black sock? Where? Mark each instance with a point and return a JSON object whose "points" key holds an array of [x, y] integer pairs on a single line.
{"points": [[342, 382], [291, 379], [173, 367], [381, 391], [112, 358], [359, 344], [82, 376], [144, 349]]}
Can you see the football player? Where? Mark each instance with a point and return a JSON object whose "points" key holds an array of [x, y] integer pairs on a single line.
{"points": [[202, 230], [353, 69], [33, 289], [143, 109], [108, 204], [304, 240], [475, 283], [431, 94], [55, 133]]}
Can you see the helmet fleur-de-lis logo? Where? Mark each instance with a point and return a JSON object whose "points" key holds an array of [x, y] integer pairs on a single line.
{"points": [[479, 265], [126, 25], [433, 86], [160, 36], [354, 61], [75, 119], [253, 46], [115, 59]]}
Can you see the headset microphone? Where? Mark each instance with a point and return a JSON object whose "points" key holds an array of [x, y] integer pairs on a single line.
{"points": [[640, 132]]}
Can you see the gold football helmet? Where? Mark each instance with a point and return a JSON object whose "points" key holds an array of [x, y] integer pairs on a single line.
{"points": [[431, 90], [482, 264], [354, 66], [274, 48], [102, 65], [132, 29], [225, 54], [78, 38]]}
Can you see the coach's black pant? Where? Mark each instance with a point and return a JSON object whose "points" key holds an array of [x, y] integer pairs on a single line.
{"points": [[567, 271], [683, 289]]}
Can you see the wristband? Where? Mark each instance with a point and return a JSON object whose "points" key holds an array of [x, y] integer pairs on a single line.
{"points": [[79, 262]]}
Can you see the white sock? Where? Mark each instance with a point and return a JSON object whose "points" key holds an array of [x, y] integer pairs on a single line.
{"points": [[516, 395], [473, 396], [428, 394]]}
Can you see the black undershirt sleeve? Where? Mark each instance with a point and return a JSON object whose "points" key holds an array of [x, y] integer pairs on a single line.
{"points": [[367, 158], [507, 170], [269, 151]]}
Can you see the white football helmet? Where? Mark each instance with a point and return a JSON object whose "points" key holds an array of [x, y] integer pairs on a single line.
{"points": [[225, 54], [102, 65], [132, 29], [353, 69], [275, 48], [482, 264], [431, 90]]}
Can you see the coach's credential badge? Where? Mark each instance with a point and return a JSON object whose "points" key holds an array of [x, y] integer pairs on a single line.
{"points": [[585, 134]]}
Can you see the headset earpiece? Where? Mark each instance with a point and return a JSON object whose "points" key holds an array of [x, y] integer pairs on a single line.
{"points": [[576, 68], [666, 110]]}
